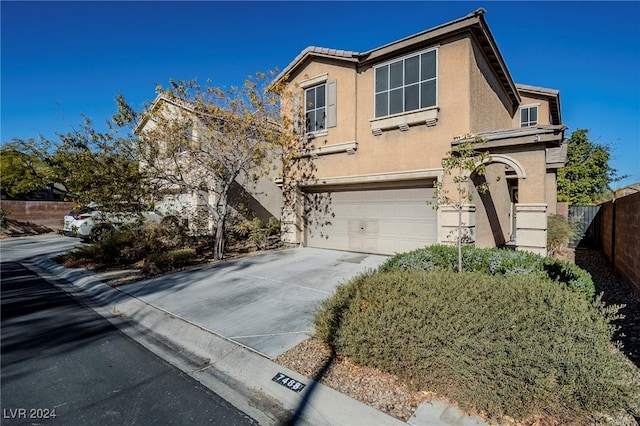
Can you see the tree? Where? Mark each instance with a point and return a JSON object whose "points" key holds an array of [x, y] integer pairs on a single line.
{"points": [[207, 138], [22, 172], [587, 175], [93, 166], [460, 163]]}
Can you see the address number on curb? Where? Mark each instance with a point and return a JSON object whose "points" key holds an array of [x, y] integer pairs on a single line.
{"points": [[287, 381]]}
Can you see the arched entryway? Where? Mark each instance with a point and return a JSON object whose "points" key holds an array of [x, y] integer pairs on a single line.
{"points": [[496, 208]]}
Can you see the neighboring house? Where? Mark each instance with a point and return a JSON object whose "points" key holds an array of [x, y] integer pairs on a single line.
{"points": [[627, 190], [261, 198], [379, 123], [52, 192]]}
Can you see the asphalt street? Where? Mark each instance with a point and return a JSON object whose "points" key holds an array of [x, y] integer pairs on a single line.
{"points": [[62, 363]]}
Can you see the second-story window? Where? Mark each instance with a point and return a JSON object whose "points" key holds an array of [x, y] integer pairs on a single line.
{"points": [[407, 84], [528, 116], [315, 108]]}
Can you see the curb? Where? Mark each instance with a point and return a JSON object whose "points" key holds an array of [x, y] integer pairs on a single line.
{"points": [[237, 373]]}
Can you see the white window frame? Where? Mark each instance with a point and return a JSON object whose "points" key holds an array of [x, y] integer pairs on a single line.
{"points": [[403, 86], [323, 108], [529, 122]]}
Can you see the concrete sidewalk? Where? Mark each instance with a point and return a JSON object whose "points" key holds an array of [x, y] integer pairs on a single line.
{"points": [[222, 325], [265, 302]]}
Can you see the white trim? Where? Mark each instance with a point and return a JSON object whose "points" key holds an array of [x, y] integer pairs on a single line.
{"points": [[348, 147], [511, 162], [375, 178], [428, 117], [499, 158], [529, 106], [316, 134], [315, 109], [313, 81]]}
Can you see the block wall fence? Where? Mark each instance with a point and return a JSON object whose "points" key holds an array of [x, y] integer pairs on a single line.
{"points": [[617, 229], [45, 213]]}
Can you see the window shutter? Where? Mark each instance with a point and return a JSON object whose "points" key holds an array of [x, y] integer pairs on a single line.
{"points": [[331, 104], [297, 121]]}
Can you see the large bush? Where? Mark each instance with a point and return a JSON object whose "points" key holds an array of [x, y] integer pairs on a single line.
{"points": [[492, 261], [164, 244], [513, 345]]}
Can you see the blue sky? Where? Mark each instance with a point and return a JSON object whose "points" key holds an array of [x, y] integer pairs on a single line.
{"points": [[62, 59]]}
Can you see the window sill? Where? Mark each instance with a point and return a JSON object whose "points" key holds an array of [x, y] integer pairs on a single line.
{"points": [[428, 117], [348, 147], [318, 134]]}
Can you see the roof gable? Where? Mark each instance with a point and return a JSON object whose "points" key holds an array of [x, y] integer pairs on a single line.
{"points": [[473, 23], [552, 95]]}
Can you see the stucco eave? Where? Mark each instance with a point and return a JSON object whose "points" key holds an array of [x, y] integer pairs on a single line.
{"points": [[542, 135]]}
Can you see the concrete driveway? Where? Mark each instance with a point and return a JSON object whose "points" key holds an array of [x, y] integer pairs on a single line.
{"points": [[265, 302]]}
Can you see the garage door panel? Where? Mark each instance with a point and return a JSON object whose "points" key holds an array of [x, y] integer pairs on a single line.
{"points": [[382, 221]]}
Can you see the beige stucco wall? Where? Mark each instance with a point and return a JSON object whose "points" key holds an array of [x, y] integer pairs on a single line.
{"points": [[262, 197], [490, 107], [532, 158], [551, 192], [530, 100], [492, 208], [470, 100]]}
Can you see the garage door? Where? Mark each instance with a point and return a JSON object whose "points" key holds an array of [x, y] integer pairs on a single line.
{"points": [[384, 221]]}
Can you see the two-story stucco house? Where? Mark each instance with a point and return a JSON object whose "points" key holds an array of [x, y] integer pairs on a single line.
{"points": [[379, 123], [190, 190]]}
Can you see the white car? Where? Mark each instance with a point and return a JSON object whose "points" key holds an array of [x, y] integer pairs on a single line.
{"points": [[94, 225]]}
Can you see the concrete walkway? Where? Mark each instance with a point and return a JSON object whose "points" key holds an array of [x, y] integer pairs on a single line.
{"points": [[223, 324], [265, 302]]}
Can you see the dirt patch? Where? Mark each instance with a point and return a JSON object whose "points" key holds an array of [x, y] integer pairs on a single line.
{"points": [[385, 392], [117, 276], [17, 229]]}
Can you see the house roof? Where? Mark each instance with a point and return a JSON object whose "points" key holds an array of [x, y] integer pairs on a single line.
{"points": [[552, 94], [156, 103], [544, 134], [627, 190], [473, 22], [522, 131], [185, 104]]}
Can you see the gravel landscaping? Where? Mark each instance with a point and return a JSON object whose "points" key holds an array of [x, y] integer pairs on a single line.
{"points": [[389, 394], [614, 292]]}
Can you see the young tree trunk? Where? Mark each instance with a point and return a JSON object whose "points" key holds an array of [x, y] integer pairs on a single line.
{"points": [[459, 232], [218, 249]]}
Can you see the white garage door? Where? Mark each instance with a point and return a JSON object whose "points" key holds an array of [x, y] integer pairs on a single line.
{"points": [[384, 221]]}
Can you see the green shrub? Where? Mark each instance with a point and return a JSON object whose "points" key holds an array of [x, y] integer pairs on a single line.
{"points": [[514, 345], [130, 245], [172, 259], [256, 230], [559, 232], [492, 261], [3, 219]]}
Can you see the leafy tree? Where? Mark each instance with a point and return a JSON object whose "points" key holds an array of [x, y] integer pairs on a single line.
{"points": [[459, 165], [22, 172], [94, 167], [587, 175], [206, 138]]}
